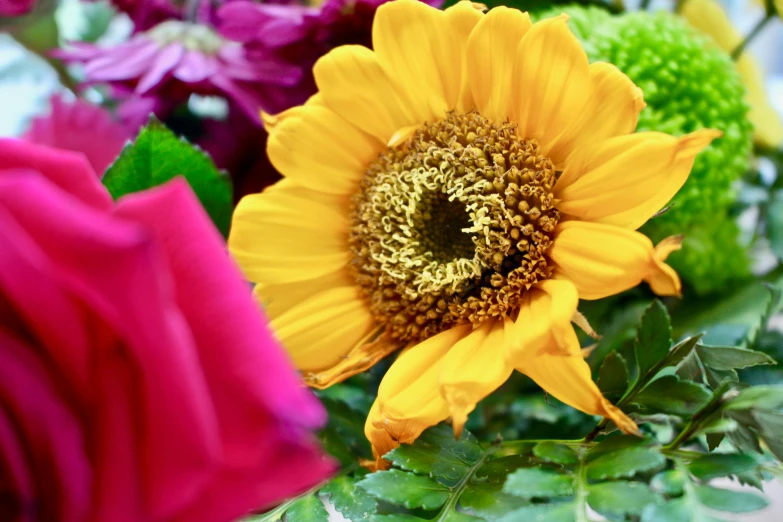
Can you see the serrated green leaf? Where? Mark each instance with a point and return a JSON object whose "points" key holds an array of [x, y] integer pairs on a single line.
{"points": [[682, 350], [538, 483], [405, 489], [669, 482], [496, 470], [307, 509], [613, 376], [728, 358], [489, 501], [717, 377], [670, 395], [555, 453], [768, 397], [620, 498], [344, 436], [770, 424], [352, 502], [653, 338], [626, 463], [728, 500], [542, 513], [614, 444], [438, 453], [721, 465], [714, 439], [676, 510], [745, 440], [719, 425], [158, 156]]}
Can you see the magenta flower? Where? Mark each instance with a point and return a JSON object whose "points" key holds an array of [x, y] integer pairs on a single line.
{"points": [[138, 381], [16, 7], [81, 127], [298, 35], [148, 13], [175, 59]]}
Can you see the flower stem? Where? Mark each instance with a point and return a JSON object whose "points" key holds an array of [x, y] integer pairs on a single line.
{"points": [[737, 52]]}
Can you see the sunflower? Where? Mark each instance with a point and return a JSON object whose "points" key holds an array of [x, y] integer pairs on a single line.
{"points": [[453, 193]]}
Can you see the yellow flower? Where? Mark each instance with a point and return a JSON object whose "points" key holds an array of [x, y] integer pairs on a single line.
{"points": [[453, 193], [708, 17]]}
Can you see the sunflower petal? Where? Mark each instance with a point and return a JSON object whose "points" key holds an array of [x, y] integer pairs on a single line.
{"points": [[277, 299], [416, 46], [289, 233], [552, 85], [409, 400], [567, 377], [321, 331], [625, 180], [474, 368], [382, 443], [463, 17], [603, 260], [490, 58], [337, 152], [352, 83], [612, 110]]}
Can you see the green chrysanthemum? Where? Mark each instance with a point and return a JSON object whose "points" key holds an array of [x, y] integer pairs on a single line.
{"points": [[688, 84]]}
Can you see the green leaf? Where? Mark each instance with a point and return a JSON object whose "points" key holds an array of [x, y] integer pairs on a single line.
{"points": [[728, 500], [396, 517], [721, 465], [653, 338], [677, 510], [626, 463], [438, 453], [352, 502], [157, 156], [770, 424], [758, 397], [556, 453], [682, 350], [613, 376], [718, 425], [669, 483], [620, 498], [307, 509], [344, 436], [614, 444], [496, 470], [538, 483], [670, 395], [405, 489], [542, 513], [727, 358], [489, 501]]}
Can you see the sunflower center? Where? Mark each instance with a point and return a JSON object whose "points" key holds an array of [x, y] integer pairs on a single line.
{"points": [[453, 226]]}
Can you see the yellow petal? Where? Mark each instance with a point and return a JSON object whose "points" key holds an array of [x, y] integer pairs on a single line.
{"points": [[612, 110], [490, 54], [320, 150], [279, 298], [287, 234], [709, 18], [320, 331], [463, 17], [566, 376], [368, 350], [664, 280], [603, 260], [408, 398], [270, 121], [552, 84], [474, 368], [382, 442], [544, 320], [354, 85], [416, 47], [625, 180]]}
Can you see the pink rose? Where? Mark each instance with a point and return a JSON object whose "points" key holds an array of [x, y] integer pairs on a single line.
{"points": [[16, 7], [137, 381]]}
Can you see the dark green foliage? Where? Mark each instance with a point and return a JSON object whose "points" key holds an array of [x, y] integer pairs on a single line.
{"points": [[158, 156]]}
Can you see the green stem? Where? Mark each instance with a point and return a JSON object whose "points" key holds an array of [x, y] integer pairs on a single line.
{"points": [[580, 495], [737, 52], [695, 422]]}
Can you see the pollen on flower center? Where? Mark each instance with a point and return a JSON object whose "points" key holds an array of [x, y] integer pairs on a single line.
{"points": [[452, 226], [194, 37]]}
